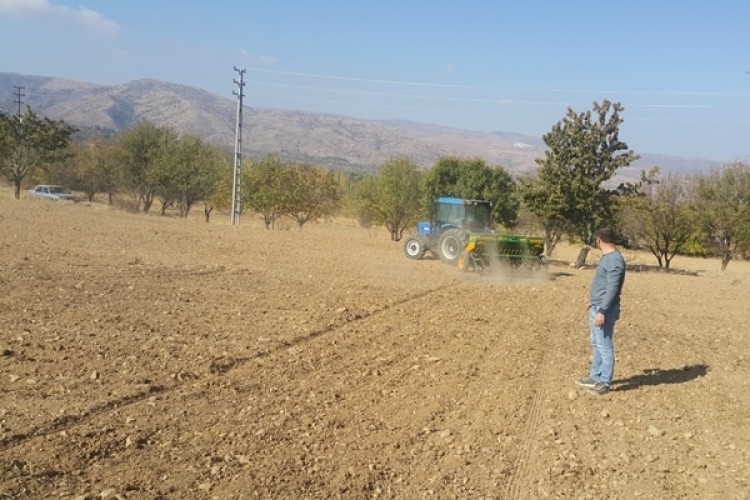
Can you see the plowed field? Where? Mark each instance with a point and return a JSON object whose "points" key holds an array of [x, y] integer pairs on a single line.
{"points": [[153, 357]]}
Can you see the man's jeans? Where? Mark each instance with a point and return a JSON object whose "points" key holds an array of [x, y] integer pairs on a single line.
{"points": [[602, 346]]}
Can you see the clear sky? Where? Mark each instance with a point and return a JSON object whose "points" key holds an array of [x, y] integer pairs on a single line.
{"points": [[679, 67]]}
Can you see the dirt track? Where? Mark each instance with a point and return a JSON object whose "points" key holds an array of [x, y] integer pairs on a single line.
{"points": [[152, 357]]}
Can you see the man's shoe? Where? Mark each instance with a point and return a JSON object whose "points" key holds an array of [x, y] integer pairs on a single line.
{"points": [[599, 389], [587, 382]]}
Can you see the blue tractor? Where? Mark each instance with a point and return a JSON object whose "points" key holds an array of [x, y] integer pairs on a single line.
{"points": [[447, 232], [461, 232]]}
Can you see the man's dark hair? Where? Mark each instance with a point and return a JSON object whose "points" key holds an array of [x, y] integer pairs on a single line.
{"points": [[607, 235]]}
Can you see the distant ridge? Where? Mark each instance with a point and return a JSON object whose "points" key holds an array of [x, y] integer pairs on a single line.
{"points": [[314, 138]]}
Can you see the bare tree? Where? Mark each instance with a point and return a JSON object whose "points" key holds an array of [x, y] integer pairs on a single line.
{"points": [[668, 218]]}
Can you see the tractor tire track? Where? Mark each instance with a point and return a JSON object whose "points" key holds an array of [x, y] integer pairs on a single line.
{"points": [[219, 368], [518, 479]]}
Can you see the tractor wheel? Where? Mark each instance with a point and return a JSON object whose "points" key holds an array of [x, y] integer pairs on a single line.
{"points": [[415, 247], [464, 262], [451, 244]]}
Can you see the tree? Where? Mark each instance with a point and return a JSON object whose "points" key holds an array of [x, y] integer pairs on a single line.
{"points": [[28, 142], [471, 178], [584, 152], [664, 216], [723, 202], [545, 200], [91, 168], [311, 194], [221, 197], [392, 197], [632, 206], [187, 172], [263, 188], [141, 148]]}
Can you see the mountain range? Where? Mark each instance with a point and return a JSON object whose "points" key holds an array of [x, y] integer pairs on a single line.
{"points": [[339, 142]]}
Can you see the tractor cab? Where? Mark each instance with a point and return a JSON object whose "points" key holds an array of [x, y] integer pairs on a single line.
{"points": [[474, 216]]}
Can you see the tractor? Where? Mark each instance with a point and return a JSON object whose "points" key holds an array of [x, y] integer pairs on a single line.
{"points": [[461, 232]]}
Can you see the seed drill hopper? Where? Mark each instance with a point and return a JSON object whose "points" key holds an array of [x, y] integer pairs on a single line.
{"points": [[483, 252]]}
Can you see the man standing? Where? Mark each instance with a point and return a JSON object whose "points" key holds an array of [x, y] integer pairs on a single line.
{"points": [[604, 310]]}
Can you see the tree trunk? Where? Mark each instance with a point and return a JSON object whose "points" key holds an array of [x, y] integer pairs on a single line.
{"points": [[17, 186], [581, 260], [725, 258], [550, 242], [207, 210]]}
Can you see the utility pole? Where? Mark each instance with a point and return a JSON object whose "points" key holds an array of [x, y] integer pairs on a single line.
{"points": [[19, 96], [237, 182]]}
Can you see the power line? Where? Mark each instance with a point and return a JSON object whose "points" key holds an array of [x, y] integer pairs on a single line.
{"points": [[489, 87], [498, 101]]}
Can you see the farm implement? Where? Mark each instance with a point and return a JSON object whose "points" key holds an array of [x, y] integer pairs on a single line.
{"points": [[461, 232], [485, 251]]}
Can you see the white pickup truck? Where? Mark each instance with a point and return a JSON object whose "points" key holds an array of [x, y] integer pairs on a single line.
{"points": [[50, 192]]}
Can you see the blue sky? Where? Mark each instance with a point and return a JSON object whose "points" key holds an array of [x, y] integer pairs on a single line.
{"points": [[680, 68]]}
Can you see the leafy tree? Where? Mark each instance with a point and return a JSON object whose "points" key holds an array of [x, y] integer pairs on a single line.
{"points": [[723, 202], [91, 168], [264, 188], [471, 178], [221, 196], [392, 197], [545, 200], [311, 194], [28, 142], [584, 152], [141, 148], [187, 172], [164, 172]]}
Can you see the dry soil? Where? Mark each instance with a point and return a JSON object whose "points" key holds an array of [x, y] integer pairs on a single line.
{"points": [[155, 357]]}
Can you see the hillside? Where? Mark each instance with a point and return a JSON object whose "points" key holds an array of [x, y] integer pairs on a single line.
{"points": [[338, 141]]}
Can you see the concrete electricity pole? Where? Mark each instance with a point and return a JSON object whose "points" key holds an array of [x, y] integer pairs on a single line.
{"points": [[237, 182]]}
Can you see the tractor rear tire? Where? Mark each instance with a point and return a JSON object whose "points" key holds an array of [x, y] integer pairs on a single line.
{"points": [[451, 244], [415, 247]]}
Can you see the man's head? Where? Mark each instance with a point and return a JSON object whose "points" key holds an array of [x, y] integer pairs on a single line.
{"points": [[605, 237]]}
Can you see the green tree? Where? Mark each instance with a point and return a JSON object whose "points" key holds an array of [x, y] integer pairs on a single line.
{"points": [[584, 152], [264, 188], [546, 201], [312, 194], [723, 202], [28, 142], [392, 197], [471, 178], [221, 196], [187, 172], [92, 168], [141, 149]]}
